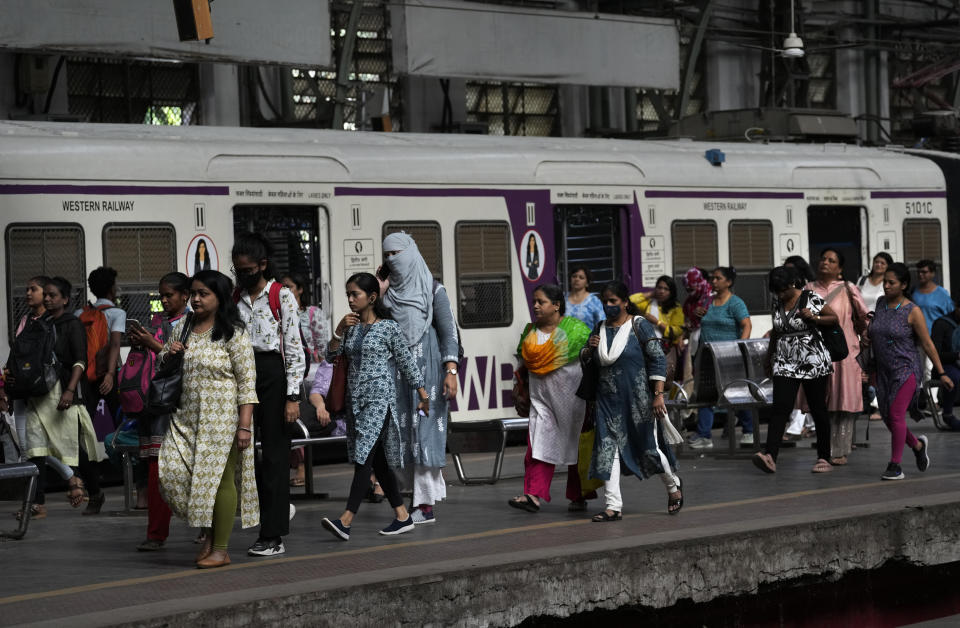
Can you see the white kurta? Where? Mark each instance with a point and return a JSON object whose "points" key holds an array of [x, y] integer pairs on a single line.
{"points": [[556, 415]]}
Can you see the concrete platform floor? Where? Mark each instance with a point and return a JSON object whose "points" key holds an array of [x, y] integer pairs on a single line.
{"points": [[483, 563]]}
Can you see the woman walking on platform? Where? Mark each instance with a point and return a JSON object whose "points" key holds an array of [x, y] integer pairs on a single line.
{"points": [[797, 358], [844, 388], [209, 438], [632, 368], [372, 344], [422, 309], [174, 296], [898, 328], [549, 349]]}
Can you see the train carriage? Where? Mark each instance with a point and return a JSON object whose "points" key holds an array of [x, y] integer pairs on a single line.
{"points": [[493, 216]]}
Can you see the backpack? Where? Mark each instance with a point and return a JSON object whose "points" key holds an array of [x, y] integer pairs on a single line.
{"points": [[33, 360], [273, 301], [98, 339], [955, 337], [133, 380], [436, 286]]}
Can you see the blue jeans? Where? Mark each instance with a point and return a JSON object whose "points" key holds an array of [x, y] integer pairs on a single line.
{"points": [[705, 422]]}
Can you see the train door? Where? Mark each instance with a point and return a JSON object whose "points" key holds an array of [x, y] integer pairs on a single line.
{"points": [[298, 234], [590, 236], [841, 228]]}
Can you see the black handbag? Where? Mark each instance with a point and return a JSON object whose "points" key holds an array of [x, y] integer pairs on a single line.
{"points": [[167, 383], [590, 378], [832, 336]]}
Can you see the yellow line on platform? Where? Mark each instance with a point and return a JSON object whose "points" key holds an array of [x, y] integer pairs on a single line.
{"points": [[451, 539]]}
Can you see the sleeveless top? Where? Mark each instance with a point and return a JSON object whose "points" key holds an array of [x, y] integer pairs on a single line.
{"points": [[895, 348]]}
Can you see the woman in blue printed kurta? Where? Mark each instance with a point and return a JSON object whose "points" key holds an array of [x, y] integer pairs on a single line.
{"points": [[373, 344]]}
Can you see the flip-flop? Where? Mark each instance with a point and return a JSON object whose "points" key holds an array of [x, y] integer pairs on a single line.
{"points": [[822, 466], [764, 462], [524, 502]]}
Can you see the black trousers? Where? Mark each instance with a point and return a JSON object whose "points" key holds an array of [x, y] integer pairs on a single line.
{"points": [[785, 400], [273, 463], [377, 463]]}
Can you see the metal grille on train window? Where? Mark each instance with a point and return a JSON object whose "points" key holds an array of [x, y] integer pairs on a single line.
{"points": [[589, 236], [141, 253], [694, 243], [921, 240], [483, 274], [751, 254], [55, 250], [427, 237]]}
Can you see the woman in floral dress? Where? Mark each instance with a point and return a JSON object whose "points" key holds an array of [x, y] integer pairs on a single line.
{"points": [[797, 357], [632, 371], [209, 439], [375, 347], [897, 329]]}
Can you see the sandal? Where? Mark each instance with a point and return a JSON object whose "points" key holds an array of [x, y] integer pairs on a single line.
{"points": [[76, 491], [37, 511], [822, 466], [524, 502], [838, 462], [674, 504], [604, 516], [764, 462], [577, 506], [95, 504]]}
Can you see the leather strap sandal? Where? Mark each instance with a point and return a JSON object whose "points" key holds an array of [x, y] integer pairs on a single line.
{"points": [[76, 491], [605, 515]]}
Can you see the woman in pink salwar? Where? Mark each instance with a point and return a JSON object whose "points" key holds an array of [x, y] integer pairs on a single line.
{"points": [[844, 394]]}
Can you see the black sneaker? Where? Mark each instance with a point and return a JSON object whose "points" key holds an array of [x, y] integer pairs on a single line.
{"points": [[336, 528], [398, 527], [923, 459], [893, 472], [266, 547]]}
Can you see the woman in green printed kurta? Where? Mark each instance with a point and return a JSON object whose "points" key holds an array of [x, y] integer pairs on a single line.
{"points": [[208, 443]]}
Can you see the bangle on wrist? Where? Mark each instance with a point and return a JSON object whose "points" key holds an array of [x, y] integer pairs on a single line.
{"points": [[657, 393], [245, 429], [337, 336]]}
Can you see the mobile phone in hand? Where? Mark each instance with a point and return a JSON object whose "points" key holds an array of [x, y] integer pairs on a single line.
{"points": [[383, 272]]}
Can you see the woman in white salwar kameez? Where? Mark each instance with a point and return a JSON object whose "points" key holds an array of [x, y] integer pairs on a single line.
{"points": [[208, 443], [549, 350]]}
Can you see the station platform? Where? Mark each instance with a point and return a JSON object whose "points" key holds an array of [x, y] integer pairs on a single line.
{"points": [[485, 564]]}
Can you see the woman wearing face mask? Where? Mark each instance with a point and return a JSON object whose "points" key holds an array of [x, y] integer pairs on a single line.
{"points": [[581, 303], [549, 349], [421, 306], [209, 443], [844, 388], [280, 364], [661, 309], [34, 301], [174, 296], [629, 403]]}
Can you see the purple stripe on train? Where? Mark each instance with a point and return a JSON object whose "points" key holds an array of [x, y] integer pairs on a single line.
{"points": [[129, 190], [919, 194]]}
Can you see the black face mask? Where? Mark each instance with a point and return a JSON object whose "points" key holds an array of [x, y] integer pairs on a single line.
{"points": [[612, 312], [249, 280]]}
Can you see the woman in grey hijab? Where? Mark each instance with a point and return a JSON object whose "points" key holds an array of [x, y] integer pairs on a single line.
{"points": [[423, 310]]}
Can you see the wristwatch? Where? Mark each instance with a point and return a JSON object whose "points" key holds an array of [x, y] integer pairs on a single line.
{"points": [[452, 371], [294, 398]]}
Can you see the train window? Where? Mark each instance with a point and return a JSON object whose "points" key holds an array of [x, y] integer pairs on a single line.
{"points": [[483, 274], [427, 236], [51, 250], [921, 240], [141, 253], [751, 253], [694, 243]]}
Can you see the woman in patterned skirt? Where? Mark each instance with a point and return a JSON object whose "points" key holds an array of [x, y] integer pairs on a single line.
{"points": [[209, 439], [897, 329], [376, 348]]}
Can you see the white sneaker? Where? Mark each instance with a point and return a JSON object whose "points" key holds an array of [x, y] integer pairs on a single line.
{"points": [[419, 518], [746, 439], [701, 443], [293, 511]]}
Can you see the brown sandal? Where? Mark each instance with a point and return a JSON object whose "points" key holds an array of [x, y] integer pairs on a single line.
{"points": [[76, 491]]}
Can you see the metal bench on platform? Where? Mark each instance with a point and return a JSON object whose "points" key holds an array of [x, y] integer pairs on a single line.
{"points": [[485, 436], [729, 375], [307, 443], [15, 471]]}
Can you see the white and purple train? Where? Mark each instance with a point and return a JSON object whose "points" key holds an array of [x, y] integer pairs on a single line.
{"points": [[493, 216]]}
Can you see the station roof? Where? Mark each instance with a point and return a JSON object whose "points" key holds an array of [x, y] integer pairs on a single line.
{"points": [[105, 152]]}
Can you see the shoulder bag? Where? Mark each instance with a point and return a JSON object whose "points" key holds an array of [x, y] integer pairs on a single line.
{"points": [[167, 383], [832, 336], [590, 379], [336, 399]]}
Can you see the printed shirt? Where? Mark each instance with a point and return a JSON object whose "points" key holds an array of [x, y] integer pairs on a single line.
{"points": [[266, 335], [799, 353]]}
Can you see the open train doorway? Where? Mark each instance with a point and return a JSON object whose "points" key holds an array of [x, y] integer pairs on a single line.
{"points": [[840, 228], [298, 234], [589, 236]]}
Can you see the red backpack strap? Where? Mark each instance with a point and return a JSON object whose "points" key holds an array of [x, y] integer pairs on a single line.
{"points": [[236, 295], [273, 299]]}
